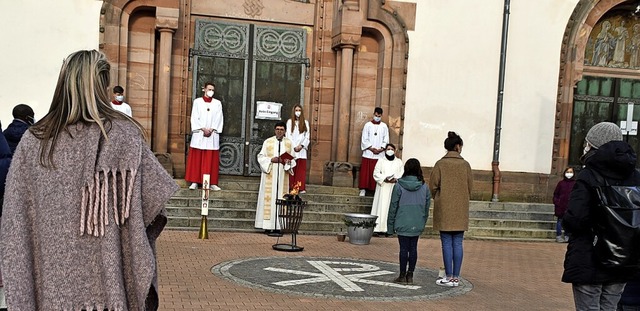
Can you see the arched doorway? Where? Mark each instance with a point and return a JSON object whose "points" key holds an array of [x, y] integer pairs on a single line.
{"points": [[253, 66], [599, 77]]}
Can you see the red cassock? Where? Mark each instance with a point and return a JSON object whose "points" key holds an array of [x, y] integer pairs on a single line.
{"points": [[200, 162], [299, 175], [366, 180]]}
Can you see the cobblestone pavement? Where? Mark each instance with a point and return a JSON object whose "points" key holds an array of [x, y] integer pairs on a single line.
{"points": [[240, 271]]}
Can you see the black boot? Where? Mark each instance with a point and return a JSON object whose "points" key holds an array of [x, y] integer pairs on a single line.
{"points": [[402, 279], [410, 277]]}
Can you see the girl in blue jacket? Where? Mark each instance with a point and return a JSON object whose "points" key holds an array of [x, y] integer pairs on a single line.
{"points": [[408, 213]]}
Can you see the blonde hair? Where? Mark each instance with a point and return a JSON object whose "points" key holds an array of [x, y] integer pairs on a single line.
{"points": [[81, 96], [302, 125]]}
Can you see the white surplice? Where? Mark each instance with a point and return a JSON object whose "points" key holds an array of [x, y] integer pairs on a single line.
{"points": [[206, 115], [381, 199], [302, 139], [274, 181], [376, 136]]}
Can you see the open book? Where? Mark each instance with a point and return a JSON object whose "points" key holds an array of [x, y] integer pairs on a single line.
{"points": [[286, 156]]}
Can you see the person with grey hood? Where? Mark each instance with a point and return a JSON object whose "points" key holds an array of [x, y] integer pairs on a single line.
{"points": [[408, 213], [608, 160]]}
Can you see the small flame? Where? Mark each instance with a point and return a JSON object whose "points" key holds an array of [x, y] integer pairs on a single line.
{"points": [[296, 188]]}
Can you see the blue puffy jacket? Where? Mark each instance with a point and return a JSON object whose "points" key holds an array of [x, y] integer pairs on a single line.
{"points": [[14, 133], [5, 161]]}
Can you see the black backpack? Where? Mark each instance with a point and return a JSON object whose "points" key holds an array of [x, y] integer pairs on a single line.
{"points": [[616, 225]]}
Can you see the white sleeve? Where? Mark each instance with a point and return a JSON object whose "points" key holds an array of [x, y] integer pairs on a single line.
{"points": [[305, 135], [366, 137], [264, 159], [196, 123], [218, 118], [385, 138]]}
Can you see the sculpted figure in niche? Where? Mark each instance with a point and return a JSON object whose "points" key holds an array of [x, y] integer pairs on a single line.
{"points": [[620, 42], [634, 47], [603, 45]]}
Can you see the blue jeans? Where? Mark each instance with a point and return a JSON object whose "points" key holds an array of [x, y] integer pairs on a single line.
{"points": [[597, 296], [559, 227], [452, 251], [408, 252]]}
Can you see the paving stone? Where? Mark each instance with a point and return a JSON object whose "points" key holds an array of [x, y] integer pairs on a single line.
{"points": [[498, 275]]}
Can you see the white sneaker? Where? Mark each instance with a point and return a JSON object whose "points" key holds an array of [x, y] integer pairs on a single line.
{"points": [[448, 282], [193, 186], [363, 192], [215, 188], [559, 239]]}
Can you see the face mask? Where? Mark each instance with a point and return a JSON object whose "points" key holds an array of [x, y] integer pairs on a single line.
{"points": [[377, 119], [209, 93], [298, 113], [390, 152], [120, 98], [586, 149], [568, 175]]}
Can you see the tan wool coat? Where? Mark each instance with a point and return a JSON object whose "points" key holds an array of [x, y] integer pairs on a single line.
{"points": [[451, 183]]}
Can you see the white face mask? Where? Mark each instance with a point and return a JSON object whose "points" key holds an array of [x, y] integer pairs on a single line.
{"points": [[298, 113], [390, 152], [586, 149], [377, 119], [568, 175], [120, 98], [209, 93]]}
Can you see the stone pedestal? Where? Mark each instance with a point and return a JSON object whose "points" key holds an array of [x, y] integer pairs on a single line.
{"points": [[339, 174]]}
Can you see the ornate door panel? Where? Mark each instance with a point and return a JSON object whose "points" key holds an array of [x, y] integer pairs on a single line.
{"points": [[248, 64], [598, 99]]}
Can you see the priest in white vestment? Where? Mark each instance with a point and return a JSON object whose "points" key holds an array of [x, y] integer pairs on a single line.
{"points": [[386, 173], [274, 181]]}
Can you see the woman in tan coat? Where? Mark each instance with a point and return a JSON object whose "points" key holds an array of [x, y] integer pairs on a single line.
{"points": [[451, 182]]}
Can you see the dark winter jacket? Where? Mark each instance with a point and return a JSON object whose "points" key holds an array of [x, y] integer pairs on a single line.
{"points": [[409, 207], [561, 196], [14, 133], [615, 161], [5, 161]]}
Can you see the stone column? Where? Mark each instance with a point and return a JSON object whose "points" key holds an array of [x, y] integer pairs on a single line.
{"points": [[344, 109], [166, 23]]}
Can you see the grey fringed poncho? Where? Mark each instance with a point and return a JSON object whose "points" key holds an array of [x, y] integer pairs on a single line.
{"points": [[82, 235]]}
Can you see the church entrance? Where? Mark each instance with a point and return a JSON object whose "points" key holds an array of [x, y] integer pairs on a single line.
{"points": [[598, 99], [259, 73]]}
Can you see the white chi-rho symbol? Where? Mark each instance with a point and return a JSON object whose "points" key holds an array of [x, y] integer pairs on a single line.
{"points": [[330, 271]]}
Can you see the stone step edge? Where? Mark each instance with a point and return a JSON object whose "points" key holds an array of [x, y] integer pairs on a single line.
{"points": [[333, 222], [331, 213], [426, 235]]}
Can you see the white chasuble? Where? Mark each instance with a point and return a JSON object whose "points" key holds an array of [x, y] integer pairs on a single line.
{"points": [[381, 199], [274, 181]]}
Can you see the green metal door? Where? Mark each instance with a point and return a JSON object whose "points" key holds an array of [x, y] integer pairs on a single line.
{"points": [[249, 65], [598, 99]]}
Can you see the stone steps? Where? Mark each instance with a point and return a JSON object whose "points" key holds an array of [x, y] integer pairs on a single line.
{"points": [[233, 209]]}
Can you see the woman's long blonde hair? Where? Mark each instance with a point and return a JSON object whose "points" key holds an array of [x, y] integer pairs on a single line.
{"points": [[302, 125], [81, 96]]}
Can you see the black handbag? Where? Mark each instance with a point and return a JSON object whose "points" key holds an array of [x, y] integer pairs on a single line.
{"points": [[617, 225]]}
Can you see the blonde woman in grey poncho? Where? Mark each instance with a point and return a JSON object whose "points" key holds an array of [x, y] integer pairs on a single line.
{"points": [[84, 203]]}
